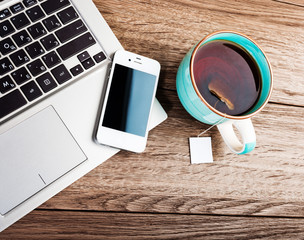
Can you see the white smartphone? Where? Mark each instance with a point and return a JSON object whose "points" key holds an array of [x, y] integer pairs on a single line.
{"points": [[128, 102]]}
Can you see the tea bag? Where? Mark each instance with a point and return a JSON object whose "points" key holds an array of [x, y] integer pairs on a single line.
{"points": [[217, 89]]}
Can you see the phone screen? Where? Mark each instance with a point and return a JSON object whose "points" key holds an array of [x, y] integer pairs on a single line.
{"points": [[129, 100]]}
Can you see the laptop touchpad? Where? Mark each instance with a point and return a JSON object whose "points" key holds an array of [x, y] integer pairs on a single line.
{"points": [[33, 155]]}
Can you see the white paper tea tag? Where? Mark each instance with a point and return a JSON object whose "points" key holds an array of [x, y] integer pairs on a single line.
{"points": [[201, 150]]}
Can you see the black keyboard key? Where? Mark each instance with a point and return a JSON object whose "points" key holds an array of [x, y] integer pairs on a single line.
{"points": [[70, 31], [22, 38], [49, 42], [76, 70], [75, 46], [31, 91], [88, 63], [11, 102], [6, 28], [37, 30], [5, 66], [46, 82], [7, 46], [35, 13], [29, 3], [51, 23], [17, 7], [21, 76], [6, 84], [19, 58], [4, 14], [51, 59], [34, 50], [83, 56], [51, 6], [99, 57], [36, 67], [61, 74], [20, 21], [67, 15]]}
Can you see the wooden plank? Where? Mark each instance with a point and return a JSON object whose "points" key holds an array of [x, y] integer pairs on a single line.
{"points": [[267, 182], [99, 225], [166, 30]]}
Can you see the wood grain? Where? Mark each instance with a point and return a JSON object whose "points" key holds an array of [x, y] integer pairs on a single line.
{"points": [[99, 225], [297, 3]]}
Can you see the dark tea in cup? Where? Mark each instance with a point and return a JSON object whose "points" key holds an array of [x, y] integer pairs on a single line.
{"points": [[227, 77]]}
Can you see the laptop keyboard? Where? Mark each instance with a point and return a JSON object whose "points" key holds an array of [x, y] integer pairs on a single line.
{"points": [[45, 44]]}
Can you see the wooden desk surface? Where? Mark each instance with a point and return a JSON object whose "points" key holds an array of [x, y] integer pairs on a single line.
{"points": [[158, 194]]}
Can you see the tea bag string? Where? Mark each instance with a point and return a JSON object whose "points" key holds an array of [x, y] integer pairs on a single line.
{"points": [[218, 122]]}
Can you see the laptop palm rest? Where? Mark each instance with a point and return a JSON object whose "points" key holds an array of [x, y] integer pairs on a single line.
{"points": [[34, 154]]}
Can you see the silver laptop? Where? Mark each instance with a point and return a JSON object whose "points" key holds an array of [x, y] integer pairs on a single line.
{"points": [[54, 58]]}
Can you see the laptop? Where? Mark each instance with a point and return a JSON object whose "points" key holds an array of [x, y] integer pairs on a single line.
{"points": [[54, 60]]}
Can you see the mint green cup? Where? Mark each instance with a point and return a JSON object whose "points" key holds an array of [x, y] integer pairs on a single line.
{"points": [[199, 108]]}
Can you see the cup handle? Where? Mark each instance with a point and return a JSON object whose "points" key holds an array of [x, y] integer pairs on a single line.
{"points": [[246, 131]]}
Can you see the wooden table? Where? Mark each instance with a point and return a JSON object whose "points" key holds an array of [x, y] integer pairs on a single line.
{"points": [[159, 194]]}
